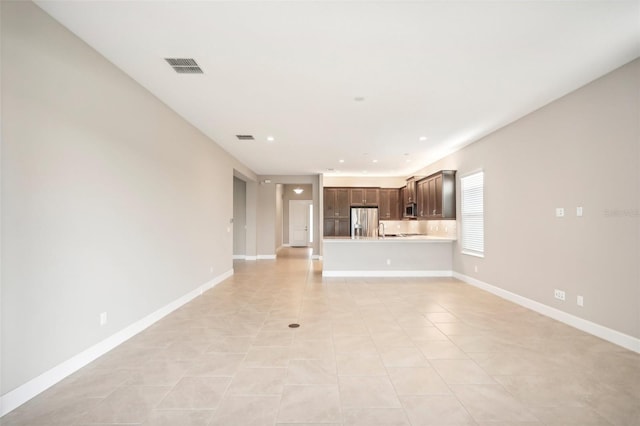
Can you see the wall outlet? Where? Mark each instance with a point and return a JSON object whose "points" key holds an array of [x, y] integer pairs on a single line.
{"points": [[388, 261], [580, 301], [475, 268], [579, 211], [103, 318], [211, 269], [559, 294], [559, 212]]}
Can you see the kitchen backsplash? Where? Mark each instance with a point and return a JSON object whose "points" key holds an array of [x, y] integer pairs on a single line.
{"points": [[442, 228], [439, 228]]}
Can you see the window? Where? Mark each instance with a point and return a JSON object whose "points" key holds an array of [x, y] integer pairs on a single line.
{"points": [[473, 214]]}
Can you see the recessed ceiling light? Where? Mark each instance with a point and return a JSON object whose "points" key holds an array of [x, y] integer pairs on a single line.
{"points": [[270, 138], [423, 138], [341, 161], [375, 161]]}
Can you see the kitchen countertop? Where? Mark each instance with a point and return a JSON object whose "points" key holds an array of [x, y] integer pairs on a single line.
{"points": [[389, 239]]}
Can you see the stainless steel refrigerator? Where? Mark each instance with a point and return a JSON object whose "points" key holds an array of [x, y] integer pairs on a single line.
{"points": [[364, 222]]}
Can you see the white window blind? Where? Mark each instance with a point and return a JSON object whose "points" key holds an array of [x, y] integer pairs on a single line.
{"points": [[473, 214]]}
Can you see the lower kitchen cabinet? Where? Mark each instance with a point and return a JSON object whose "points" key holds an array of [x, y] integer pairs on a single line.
{"points": [[337, 228]]}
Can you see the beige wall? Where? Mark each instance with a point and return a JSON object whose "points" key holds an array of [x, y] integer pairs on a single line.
{"points": [[239, 217], [110, 201], [266, 221], [582, 150], [365, 181], [279, 233]]}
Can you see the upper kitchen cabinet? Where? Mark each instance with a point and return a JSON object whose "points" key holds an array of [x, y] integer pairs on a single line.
{"points": [[422, 195], [336, 203], [410, 191], [437, 196], [367, 197], [389, 206]]}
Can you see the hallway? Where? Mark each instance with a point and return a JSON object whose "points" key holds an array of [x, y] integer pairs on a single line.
{"points": [[392, 351]]}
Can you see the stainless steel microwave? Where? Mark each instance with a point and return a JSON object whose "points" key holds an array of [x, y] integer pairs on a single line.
{"points": [[410, 210]]}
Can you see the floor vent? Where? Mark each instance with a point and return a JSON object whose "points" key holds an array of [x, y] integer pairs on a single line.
{"points": [[184, 65]]}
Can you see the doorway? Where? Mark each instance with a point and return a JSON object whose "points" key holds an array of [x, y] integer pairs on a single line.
{"points": [[300, 226], [239, 218]]}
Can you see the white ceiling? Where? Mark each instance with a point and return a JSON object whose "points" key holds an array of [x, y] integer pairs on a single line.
{"points": [[452, 71]]}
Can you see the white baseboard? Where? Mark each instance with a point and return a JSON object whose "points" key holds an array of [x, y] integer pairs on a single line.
{"points": [[386, 273], [15, 398], [245, 257], [613, 336], [266, 257]]}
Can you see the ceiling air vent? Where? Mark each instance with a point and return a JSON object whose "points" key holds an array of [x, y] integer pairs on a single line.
{"points": [[245, 137], [184, 65]]}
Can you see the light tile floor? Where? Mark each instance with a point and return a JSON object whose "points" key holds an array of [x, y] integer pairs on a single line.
{"points": [[368, 352]]}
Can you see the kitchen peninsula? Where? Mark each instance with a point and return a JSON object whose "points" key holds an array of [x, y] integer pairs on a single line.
{"points": [[420, 229], [410, 256]]}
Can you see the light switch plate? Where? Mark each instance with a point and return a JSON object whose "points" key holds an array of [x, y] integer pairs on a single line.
{"points": [[579, 211]]}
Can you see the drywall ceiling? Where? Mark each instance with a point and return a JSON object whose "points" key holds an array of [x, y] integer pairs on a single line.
{"points": [[354, 88]]}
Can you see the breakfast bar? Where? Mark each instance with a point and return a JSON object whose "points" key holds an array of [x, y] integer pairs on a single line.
{"points": [[412, 256]]}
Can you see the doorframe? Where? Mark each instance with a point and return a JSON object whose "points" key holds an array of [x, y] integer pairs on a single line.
{"points": [[307, 204]]}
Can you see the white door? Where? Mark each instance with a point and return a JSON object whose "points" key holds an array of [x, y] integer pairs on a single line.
{"points": [[299, 223]]}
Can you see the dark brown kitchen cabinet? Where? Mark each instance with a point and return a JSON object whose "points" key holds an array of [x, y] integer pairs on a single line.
{"points": [[336, 228], [422, 196], [410, 191], [329, 229], [364, 197], [389, 205], [336, 212], [336, 203], [437, 196], [343, 227]]}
